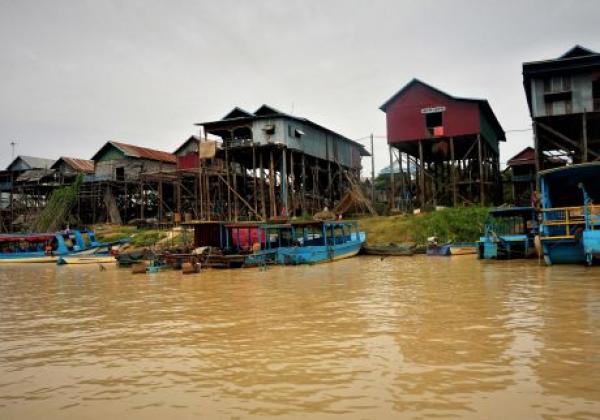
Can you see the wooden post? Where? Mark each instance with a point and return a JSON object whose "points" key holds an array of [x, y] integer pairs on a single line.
{"points": [[537, 154], [142, 202], [401, 172], [421, 174], [392, 179], [372, 171], [228, 178], [584, 145], [236, 209], [263, 204], [292, 189], [273, 205], [481, 180], [178, 194], [254, 194], [284, 183], [303, 190], [453, 173], [160, 201]]}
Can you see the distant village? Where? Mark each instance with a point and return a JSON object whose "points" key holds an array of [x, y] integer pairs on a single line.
{"points": [[444, 150]]}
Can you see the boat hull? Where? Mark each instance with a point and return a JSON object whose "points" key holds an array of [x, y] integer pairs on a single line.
{"points": [[388, 250], [32, 259], [506, 247], [87, 259], [438, 250], [563, 251], [319, 254]]}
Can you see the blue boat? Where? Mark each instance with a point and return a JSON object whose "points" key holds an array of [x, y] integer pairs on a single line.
{"points": [[570, 226], [246, 244], [46, 247], [314, 242], [508, 233], [434, 250]]}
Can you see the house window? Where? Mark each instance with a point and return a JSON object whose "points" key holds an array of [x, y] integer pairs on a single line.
{"points": [[298, 133], [556, 84], [434, 123], [120, 174]]}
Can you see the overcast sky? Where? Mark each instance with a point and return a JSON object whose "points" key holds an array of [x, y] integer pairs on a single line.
{"points": [[74, 74]]}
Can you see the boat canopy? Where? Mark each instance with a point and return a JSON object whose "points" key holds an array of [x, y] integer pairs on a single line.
{"points": [[561, 186]]}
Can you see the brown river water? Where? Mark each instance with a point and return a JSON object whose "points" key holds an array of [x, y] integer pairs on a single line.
{"points": [[362, 338]]}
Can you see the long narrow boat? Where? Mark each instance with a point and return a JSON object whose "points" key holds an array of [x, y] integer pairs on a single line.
{"points": [[32, 247], [18, 248], [438, 250], [508, 233], [314, 242], [86, 259], [463, 248], [570, 227], [389, 249]]}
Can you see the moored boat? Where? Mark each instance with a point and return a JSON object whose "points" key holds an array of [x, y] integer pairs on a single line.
{"points": [[314, 242], [32, 247], [463, 248], [391, 249], [508, 233], [86, 259], [570, 226]]}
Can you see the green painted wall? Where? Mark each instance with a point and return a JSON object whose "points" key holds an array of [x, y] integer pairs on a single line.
{"points": [[110, 153], [488, 133]]}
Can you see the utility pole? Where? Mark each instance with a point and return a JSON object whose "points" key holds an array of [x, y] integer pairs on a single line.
{"points": [[12, 145], [372, 171]]}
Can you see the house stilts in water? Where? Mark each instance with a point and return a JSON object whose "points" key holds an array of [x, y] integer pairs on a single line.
{"points": [[452, 142], [563, 95]]}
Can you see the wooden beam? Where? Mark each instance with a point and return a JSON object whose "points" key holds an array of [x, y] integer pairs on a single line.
{"points": [[564, 138], [481, 180], [421, 174], [392, 181], [238, 196], [453, 173], [585, 136]]}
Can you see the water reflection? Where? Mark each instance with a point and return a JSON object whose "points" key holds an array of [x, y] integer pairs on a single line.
{"points": [[366, 338]]}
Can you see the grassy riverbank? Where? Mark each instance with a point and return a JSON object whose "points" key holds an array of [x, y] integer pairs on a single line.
{"points": [[457, 224]]}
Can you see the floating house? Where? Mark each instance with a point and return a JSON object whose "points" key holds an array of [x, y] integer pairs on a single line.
{"points": [[287, 165], [452, 141], [563, 95]]}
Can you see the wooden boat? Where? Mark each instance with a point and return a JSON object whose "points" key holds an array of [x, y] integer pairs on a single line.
{"points": [[318, 241], [47, 247], [463, 248], [389, 250], [508, 233], [32, 247], [86, 259], [250, 244], [438, 250], [570, 225]]}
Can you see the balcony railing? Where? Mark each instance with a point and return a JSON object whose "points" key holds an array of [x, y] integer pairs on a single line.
{"points": [[567, 222]]}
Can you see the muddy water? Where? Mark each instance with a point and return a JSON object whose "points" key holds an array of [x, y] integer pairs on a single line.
{"points": [[361, 338]]}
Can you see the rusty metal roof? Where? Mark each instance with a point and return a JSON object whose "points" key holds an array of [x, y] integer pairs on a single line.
{"points": [[141, 152], [78, 165]]}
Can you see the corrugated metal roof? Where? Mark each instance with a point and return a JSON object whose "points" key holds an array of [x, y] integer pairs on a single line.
{"points": [[34, 175], [524, 157], [78, 165], [33, 162], [141, 152]]}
